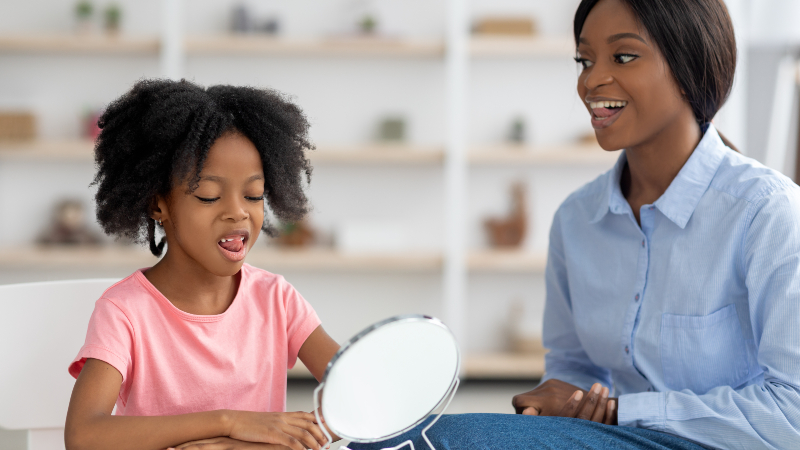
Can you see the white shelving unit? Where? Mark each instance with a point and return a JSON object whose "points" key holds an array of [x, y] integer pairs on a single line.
{"points": [[455, 157]]}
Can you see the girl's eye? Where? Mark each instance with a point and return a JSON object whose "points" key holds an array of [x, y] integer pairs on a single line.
{"points": [[256, 199], [583, 62], [624, 58], [207, 200]]}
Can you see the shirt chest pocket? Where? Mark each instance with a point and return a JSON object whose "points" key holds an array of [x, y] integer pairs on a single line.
{"points": [[702, 352]]}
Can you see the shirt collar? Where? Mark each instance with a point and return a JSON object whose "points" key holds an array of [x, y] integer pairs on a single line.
{"points": [[683, 194]]}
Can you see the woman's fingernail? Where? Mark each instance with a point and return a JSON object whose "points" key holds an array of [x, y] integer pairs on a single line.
{"points": [[604, 392], [596, 388], [611, 405], [579, 396]]}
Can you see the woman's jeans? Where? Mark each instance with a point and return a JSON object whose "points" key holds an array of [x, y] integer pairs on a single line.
{"points": [[518, 432]]}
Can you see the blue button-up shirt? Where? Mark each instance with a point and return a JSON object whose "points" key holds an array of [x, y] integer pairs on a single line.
{"points": [[694, 316]]}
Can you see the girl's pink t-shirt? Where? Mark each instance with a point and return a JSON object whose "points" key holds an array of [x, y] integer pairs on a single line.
{"points": [[173, 362]]}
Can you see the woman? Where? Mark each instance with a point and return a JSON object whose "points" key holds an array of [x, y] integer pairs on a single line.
{"points": [[672, 279]]}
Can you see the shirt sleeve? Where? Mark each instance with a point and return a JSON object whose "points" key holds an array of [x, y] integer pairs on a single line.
{"points": [[566, 361], [109, 339], [301, 321], [765, 414]]}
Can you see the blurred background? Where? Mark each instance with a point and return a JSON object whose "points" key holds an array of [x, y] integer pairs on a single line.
{"points": [[447, 134]]}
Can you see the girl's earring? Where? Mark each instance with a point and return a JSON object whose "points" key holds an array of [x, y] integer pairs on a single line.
{"points": [[159, 223]]}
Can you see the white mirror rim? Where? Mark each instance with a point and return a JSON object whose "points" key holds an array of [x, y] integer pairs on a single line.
{"points": [[388, 378]]}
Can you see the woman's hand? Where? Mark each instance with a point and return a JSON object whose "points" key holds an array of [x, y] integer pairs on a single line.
{"points": [[225, 443], [295, 430], [557, 398]]}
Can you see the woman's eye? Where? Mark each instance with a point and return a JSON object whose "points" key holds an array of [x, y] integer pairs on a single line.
{"points": [[256, 199], [584, 62], [207, 200], [624, 58]]}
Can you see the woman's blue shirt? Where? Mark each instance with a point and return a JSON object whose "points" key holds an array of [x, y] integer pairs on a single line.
{"points": [[694, 316]]}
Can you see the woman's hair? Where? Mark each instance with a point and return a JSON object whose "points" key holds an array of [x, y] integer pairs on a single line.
{"points": [[697, 41], [157, 136]]}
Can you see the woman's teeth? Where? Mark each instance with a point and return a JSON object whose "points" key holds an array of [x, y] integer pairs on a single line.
{"points": [[241, 238], [595, 105]]}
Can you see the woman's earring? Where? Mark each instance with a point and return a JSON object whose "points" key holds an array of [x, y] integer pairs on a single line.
{"points": [[159, 223]]}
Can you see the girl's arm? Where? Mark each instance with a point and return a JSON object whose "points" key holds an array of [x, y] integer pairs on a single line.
{"points": [[317, 351], [90, 424]]}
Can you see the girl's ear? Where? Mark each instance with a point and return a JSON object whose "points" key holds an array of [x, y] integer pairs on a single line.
{"points": [[158, 208]]}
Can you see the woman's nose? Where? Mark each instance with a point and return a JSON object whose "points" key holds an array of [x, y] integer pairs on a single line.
{"points": [[598, 75]]}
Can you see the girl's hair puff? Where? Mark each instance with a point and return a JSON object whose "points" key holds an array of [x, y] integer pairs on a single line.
{"points": [[158, 134]]}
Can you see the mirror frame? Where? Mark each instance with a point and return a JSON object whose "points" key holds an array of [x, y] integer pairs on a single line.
{"points": [[447, 396]]}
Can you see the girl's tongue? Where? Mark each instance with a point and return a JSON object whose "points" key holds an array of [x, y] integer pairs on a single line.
{"points": [[234, 246], [605, 112]]}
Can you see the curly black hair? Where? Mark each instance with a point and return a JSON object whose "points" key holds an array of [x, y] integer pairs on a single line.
{"points": [[157, 136]]}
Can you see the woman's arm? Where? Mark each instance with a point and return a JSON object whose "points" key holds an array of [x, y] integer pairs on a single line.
{"points": [[90, 424], [567, 360]]}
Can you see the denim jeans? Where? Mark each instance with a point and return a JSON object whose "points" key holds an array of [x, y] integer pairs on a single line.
{"points": [[518, 432]]}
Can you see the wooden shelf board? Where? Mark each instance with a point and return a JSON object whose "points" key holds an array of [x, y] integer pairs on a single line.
{"points": [[267, 258], [74, 257], [333, 260], [42, 150], [378, 154], [503, 366], [73, 43], [506, 261], [579, 154], [513, 46], [487, 366], [345, 46]]}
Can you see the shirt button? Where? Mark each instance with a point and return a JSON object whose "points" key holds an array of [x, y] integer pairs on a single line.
{"points": [[636, 298], [627, 350], [642, 242], [649, 389], [652, 208]]}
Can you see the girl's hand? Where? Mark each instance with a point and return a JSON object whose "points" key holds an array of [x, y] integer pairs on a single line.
{"points": [[225, 443], [557, 398], [295, 430]]}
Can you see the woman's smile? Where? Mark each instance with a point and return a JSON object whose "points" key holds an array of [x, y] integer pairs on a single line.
{"points": [[605, 112]]}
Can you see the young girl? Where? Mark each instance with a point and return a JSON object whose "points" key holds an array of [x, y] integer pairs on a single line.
{"points": [[673, 278], [194, 350]]}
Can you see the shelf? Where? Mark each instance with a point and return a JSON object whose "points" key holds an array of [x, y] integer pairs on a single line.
{"points": [[499, 366], [577, 154], [506, 261], [378, 154], [47, 150], [511, 46], [70, 43], [479, 366], [344, 46], [133, 257], [77, 149], [332, 260], [77, 257], [401, 154]]}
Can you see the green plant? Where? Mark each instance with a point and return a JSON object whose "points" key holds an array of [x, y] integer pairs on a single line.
{"points": [[84, 9], [113, 15]]}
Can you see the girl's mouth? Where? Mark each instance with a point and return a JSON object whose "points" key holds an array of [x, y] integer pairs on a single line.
{"points": [[233, 247], [606, 113]]}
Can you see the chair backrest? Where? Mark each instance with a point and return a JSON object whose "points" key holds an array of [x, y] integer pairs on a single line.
{"points": [[42, 327]]}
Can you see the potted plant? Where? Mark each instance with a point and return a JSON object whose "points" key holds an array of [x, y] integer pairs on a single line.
{"points": [[113, 18], [84, 10]]}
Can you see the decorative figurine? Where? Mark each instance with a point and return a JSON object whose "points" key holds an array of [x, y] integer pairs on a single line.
{"points": [[509, 232], [68, 226], [241, 20], [296, 234]]}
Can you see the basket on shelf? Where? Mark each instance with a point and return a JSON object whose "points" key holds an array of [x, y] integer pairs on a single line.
{"points": [[17, 126]]}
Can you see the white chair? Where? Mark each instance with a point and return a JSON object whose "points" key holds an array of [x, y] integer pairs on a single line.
{"points": [[42, 327]]}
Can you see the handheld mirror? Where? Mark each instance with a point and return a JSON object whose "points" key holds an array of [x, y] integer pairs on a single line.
{"points": [[387, 379]]}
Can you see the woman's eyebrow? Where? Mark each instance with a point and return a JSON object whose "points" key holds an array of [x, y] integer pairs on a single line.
{"points": [[619, 36]]}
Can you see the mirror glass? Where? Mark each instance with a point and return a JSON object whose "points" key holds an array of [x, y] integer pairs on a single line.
{"points": [[389, 378]]}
